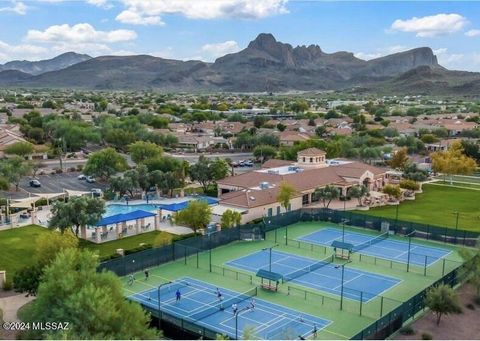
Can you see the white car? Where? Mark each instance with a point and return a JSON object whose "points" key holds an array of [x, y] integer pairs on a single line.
{"points": [[82, 177], [96, 192], [90, 179]]}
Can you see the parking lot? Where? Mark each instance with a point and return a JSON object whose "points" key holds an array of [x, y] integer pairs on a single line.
{"points": [[57, 183]]}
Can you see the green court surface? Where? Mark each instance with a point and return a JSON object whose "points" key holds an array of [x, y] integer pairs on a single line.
{"points": [[346, 323], [437, 206]]}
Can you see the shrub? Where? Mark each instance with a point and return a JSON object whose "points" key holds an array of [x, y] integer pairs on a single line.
{"points": [[427, 336], [58, 171], [109, 257], [79, 168], [7, 285], [407, 330], [477, 300], [409, 184], [470, 306]]}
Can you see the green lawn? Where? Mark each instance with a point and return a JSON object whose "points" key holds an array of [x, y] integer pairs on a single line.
{"points": [[18, 245], [436, 206]]}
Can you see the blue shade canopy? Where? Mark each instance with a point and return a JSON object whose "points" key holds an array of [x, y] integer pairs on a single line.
{"points": [[178, 206], [120, 218]]}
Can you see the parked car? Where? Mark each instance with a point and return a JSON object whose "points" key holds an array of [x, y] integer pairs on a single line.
{"points": [[248, 163], [90, 179], [35, 183], [82, 177], [96, 192]]}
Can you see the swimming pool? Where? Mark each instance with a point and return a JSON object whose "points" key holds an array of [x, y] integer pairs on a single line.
{"points": [[113, 209]]}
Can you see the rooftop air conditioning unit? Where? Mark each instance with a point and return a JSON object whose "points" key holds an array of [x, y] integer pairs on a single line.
{"points": [[264, 185]]}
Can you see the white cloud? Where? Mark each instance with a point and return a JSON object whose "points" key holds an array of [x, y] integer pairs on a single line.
{"points": [[16, 7], [79, 33], [100, 3], [431, 26], [472, 33], [150, 12], [22, 51], [135, 18], [381, 52], [213, 51], [447, 59]]}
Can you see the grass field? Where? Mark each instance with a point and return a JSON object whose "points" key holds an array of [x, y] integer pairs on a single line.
{"points": [[347, 322], [436, 206], [18, 245]]}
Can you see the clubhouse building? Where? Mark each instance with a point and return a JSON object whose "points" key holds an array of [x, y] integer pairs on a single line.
{"points": [[254, 193]]}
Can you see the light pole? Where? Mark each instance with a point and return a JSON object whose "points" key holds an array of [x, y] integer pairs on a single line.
{"points": [[159, 304], [409, 248], [236, 321], [344, 221], [343, 275], [456, 224], [396, 215], [270, 256]]}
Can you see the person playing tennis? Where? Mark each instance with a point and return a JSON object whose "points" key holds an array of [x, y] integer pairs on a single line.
{"points": [[235, 309], [252, 304], [147, 273], [131, 279], [178, 295], [315, 330]]}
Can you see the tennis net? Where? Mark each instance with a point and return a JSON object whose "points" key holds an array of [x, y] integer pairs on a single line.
{"points": [[213, 308], [370, 242], [312, 267]]}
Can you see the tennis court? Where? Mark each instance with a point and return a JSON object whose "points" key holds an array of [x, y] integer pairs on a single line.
{"points": [[379, 247], [319, 275], [199, 304]]}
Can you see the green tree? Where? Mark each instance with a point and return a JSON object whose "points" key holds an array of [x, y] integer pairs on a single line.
{"points": [[77, 212], [442, 300], [327, 194], [21, 149], [196, 215], [281, 126], [105, 163], [141, 151], [399, 159], [249, 333], [264, 152], [206, 171], [453, 161], [285, 194], [72, 290], [358, 192], [123, 184], [14, 169], [27, 279], [230, 219]]}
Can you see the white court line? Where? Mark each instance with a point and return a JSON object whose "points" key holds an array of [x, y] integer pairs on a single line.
{"points": [[345, 282]]}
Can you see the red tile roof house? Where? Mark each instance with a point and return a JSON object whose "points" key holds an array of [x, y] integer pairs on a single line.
{"points": [[256, 191]]}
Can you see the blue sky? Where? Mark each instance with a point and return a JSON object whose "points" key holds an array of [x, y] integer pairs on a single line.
{"points": [[207, 29]]}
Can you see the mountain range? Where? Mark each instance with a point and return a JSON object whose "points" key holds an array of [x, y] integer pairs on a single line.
{"points": [[264, 65], [35, 68]]}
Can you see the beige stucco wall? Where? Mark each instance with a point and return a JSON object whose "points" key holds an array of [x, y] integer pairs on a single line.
{"points": [[262, 211]]}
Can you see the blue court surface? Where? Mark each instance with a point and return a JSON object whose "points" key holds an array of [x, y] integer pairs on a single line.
{"points": [[384, 248], [199, 303], [317, 275]]}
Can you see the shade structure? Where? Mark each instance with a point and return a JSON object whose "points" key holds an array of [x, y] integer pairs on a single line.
{"points": [[122, 217], [72, 193], [25, 202], [178, 206]]}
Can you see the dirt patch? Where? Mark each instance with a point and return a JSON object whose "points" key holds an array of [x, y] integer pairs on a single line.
{"points": [[464, 326]]}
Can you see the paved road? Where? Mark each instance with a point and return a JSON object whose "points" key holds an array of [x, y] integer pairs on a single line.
{"points": [[192, 158]]}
